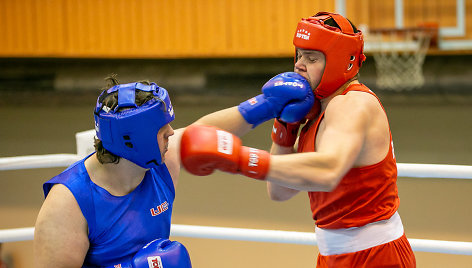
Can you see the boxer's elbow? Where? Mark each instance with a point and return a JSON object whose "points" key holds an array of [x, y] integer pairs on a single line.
{"points": [[324, 177], [280, 193], [280, 197], [330, 181], [277, 197]]}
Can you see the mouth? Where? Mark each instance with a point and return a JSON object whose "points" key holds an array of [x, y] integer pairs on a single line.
{"points": [[302, 75]]}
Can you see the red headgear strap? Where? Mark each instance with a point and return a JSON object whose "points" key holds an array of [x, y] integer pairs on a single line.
{"points": [[343, 49]]}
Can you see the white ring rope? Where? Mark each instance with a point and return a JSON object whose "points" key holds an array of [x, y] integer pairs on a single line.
{"points": [[257, 235], [17, 234], [404, 170], [84, 147], [37, 161], [434, 171]]}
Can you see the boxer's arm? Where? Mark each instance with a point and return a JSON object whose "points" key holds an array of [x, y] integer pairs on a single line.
{"points": [[285, 141], [346, 122], [275, 191], [60, 237], [204, 149], [229, 119], [286, 95]]}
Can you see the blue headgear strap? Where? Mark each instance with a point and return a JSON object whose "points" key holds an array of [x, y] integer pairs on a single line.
{"points": [[132, 133]]}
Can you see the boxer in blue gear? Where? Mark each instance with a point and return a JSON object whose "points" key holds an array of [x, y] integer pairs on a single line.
{"points": [[120, 223], [104, 208]]}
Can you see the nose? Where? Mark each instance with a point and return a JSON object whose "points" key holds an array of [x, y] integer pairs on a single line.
{"points": [[299, 66], [171, 131]]}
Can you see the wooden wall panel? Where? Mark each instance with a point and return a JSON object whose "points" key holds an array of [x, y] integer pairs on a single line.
{"points": [[184, 28]]}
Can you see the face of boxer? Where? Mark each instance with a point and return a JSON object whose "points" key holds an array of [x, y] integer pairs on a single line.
{"points": [[310, 64], [163, 139]]}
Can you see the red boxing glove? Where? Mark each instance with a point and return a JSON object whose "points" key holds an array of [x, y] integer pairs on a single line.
{"points": [[285, 134], [204, 149]]}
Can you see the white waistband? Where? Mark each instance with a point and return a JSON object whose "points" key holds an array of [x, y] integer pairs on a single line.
{"points": [[340, 241]]}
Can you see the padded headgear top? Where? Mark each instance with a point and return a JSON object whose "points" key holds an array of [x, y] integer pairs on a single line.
{"points": [[132, 133], [343, 49]]}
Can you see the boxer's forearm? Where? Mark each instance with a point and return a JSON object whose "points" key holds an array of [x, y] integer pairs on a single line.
{"points": [[275, 191], [286, 95], [229, 119]]}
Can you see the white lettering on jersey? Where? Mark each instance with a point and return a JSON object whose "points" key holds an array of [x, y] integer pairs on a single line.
{"points": [[160, 209]]}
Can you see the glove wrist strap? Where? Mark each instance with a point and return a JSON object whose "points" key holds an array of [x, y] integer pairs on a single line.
{"points": [[254, 163], [285, 134]]}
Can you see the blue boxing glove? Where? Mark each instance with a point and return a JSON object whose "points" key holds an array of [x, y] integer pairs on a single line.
{"points": [[286, 96], [162, 253]]}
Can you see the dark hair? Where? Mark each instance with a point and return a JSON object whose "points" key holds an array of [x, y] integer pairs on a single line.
{"points": [[332, 22], [111, 101]]}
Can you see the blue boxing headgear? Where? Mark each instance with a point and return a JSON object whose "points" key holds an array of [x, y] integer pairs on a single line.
{"points": [[132, 133]]}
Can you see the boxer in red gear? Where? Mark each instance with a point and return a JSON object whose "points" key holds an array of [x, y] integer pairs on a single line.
{"points": [[348, 150], [344, 156]]}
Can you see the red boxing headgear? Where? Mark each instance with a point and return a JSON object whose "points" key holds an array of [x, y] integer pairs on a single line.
{"points": [[343, 49]]}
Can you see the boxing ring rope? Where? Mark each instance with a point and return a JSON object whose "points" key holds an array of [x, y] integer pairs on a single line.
{"points": [[38, 161], [256, 235], [404, 170]]}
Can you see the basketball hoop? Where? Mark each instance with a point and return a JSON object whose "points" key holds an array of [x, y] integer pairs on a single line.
{"points": [[399, 56]]}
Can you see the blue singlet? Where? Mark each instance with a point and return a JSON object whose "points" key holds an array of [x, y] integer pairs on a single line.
{"points": [[120, 225]]}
